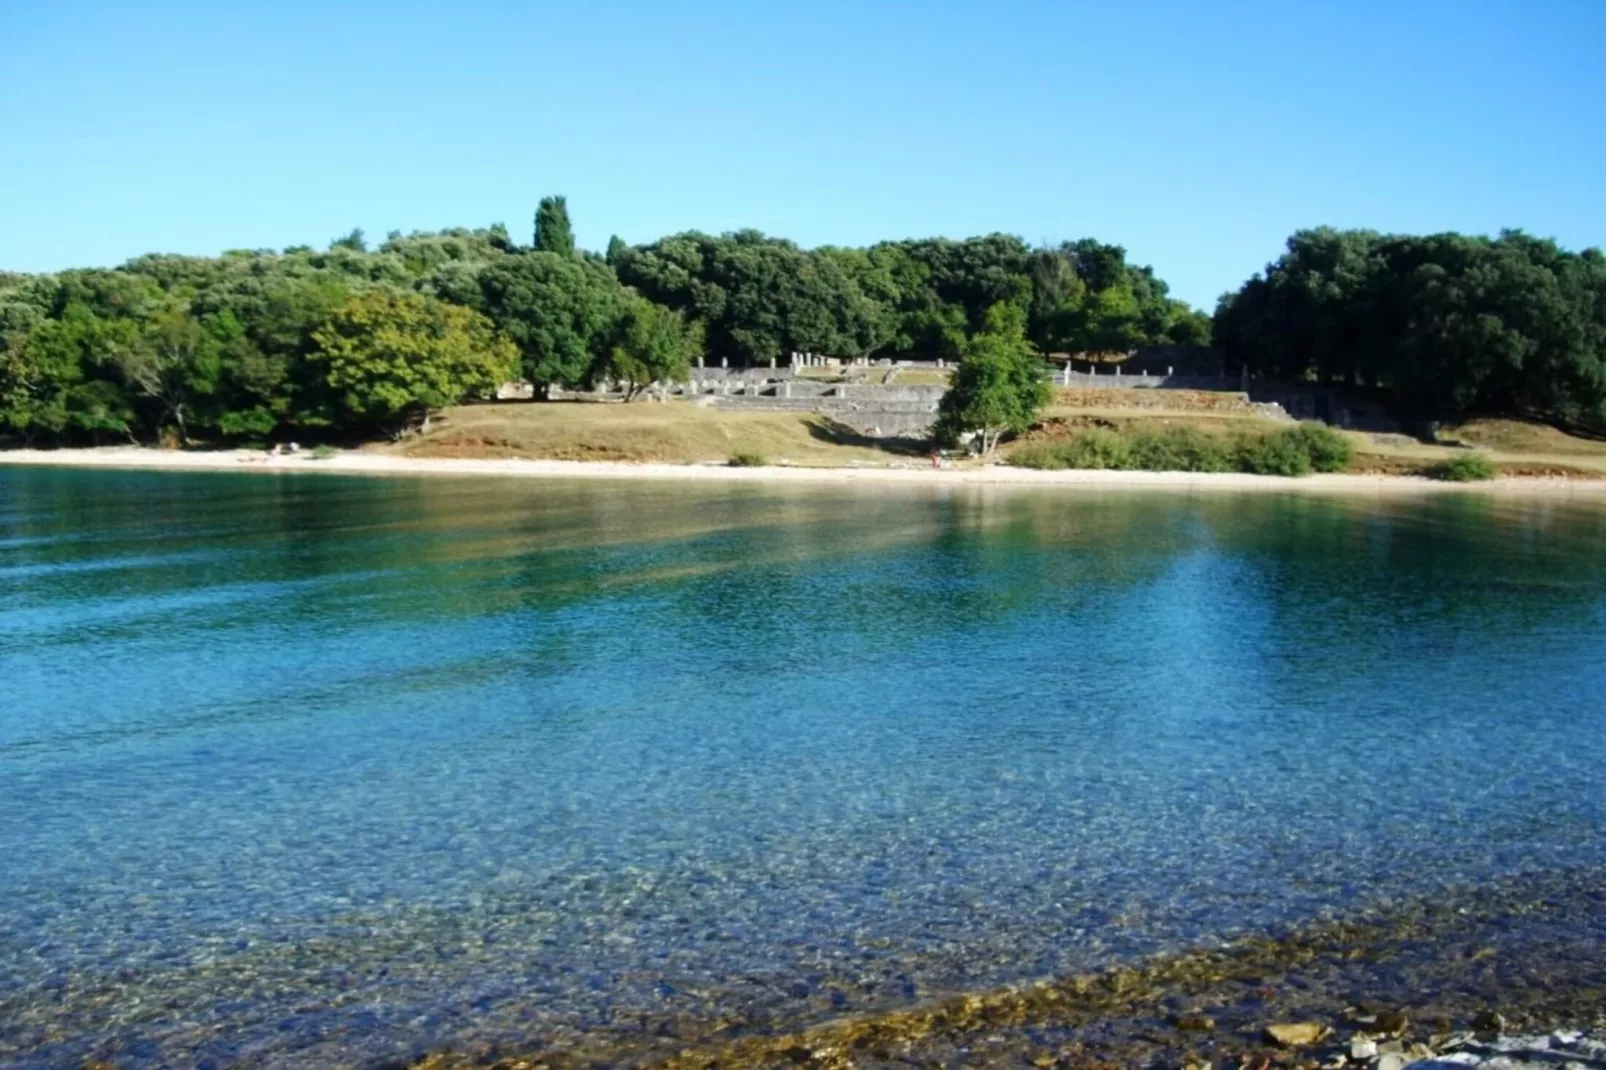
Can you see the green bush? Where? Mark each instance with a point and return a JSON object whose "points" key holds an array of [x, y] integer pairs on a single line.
{"points": [[1280, 453], [1329, 450], [1095, 448], [1469, 468], [1294, 451], [323, 453], [747, 460], [1179, 449], [1038, 455]]}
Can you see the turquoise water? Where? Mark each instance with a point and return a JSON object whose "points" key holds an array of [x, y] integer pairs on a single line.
{"points": [[313, 770]]}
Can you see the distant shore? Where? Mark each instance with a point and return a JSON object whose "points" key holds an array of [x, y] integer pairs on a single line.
{"points": [[914, 473]]}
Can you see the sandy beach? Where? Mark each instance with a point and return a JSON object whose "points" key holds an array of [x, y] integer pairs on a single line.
{"points": [[366, 463]]}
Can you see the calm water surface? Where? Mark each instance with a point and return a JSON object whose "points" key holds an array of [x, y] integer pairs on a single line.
{"points": [[300, 771]]}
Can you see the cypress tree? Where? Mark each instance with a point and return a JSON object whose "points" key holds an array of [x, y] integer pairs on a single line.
{"points": [[552, 231]]}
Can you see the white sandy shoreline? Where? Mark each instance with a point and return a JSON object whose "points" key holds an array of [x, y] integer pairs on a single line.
{"points": [[378, 464]]}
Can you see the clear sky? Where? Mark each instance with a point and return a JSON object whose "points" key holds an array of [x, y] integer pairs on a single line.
{"points": [[1197, 134]]}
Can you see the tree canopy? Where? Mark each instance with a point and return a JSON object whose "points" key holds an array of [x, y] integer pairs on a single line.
{"points": [[394, 357], [1444, 324], [260, 343], [763, 298]]}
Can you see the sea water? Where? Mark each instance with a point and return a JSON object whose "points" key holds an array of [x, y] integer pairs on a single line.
{"points": [[312, 770]]}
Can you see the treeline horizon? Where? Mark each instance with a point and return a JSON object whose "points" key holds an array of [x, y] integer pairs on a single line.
{"points": [[359, 341]]}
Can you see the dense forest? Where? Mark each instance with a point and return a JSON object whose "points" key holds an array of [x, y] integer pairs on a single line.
{"points": [[1445, 325], [363, 341], [359, 341]]}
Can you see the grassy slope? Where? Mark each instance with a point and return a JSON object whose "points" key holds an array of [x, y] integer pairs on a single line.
{"points": [[673, 431], [1514, 447], [680, 432]]}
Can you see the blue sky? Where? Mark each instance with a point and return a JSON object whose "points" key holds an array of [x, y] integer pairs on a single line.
{"points": [[1198, 135]]}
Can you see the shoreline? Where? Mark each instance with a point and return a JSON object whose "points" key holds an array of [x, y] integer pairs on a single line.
{"points": [[1466, 976], [363, 463]]}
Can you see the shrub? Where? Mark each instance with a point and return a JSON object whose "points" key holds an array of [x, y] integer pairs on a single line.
{"points": [[1468, 468], [747, 460], [1179, 449], [1038, 455], [1329, 451], [323, 453], [1294, 451], [1280, 453], [1095, 448]]}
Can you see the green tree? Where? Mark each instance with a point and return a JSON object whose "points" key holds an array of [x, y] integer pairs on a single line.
{"points": [[652, 344], [174, 362], [354, 241], [1001, 384], [560, 311], [33, 384], [761, 298], [40, 367], [553, 233], [393, 358], [100, 407]]}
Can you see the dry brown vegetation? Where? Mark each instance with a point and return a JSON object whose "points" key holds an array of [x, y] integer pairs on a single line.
{"points": [[674, 432]]}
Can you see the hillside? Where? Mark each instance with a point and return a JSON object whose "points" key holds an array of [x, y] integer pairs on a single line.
{"points": [[679, 432]]}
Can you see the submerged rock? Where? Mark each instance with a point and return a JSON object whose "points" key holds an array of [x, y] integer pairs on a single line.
{"points": [[1297, 1034]]}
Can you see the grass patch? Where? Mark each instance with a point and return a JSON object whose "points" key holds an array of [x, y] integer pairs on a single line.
{"points": [[919, 377], [323, 453], [1470, 468], [1293, 451], [747, 460], [675, 432]]}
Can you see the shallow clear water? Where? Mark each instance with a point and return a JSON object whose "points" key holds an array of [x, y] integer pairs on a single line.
{"points": [[301, 770]]}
